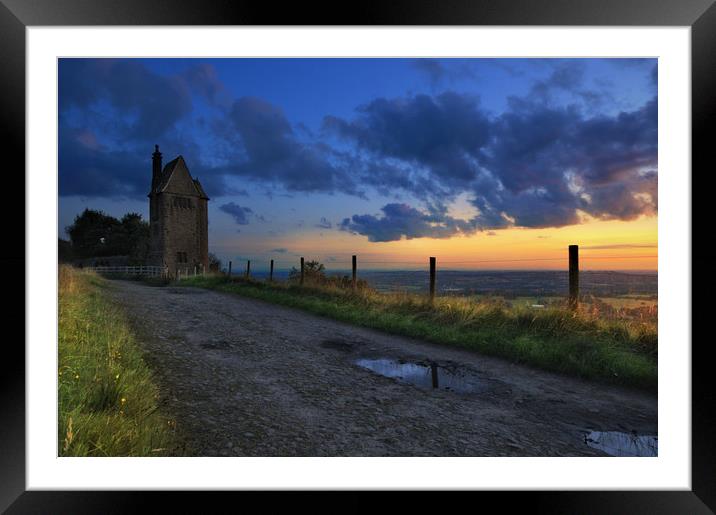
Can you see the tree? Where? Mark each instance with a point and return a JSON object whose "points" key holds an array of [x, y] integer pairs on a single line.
{"points": [[214, 263], [96, 234], [313, 272], [134, 238], [65, 253], [92, 234]]}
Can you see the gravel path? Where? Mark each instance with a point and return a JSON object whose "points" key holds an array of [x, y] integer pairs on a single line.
{"points": [[248, 378]]}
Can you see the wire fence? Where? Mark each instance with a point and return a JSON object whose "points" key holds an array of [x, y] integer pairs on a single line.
{"points": [[385, 264], [472, 277]]}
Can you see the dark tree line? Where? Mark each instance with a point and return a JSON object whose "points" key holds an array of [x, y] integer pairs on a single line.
{"points": [[96, 234]]}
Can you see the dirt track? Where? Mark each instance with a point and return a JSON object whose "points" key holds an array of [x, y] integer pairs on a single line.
{"points": [[247, 378]]}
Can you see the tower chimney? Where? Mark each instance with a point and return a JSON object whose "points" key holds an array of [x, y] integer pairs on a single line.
{"points": [[156, 167]]}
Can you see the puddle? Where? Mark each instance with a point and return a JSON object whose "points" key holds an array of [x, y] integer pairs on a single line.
{"points": [[425, 375], [615, 443]]}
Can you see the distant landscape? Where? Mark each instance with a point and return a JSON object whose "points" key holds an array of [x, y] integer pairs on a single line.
{"points": [[508, 283]]}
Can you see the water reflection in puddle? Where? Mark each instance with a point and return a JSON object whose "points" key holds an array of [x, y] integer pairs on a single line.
{"points": [[425, 375], [615, 443]]}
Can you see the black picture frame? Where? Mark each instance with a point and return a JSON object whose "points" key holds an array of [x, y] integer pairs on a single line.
{"points": [[16, 15]]}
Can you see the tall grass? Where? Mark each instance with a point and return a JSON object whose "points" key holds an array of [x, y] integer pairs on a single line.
{"points": [[108, 401], [558, 339]]}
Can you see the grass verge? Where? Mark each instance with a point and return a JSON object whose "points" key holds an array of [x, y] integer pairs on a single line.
{"points": [[556, 339], [108, 401]]}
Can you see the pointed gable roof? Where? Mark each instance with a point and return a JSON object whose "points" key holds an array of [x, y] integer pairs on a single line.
{"points": [[168, 172], [202, 194]]}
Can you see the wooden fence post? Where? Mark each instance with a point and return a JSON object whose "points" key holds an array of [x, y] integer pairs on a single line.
{"points": [[434, 374], [353, 283], [432, 280], [248, 268], [229, 269], [271, 272], [302, 272], [195, 269], [573, 276]]}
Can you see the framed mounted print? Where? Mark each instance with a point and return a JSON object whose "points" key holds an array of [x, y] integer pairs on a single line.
{"points": [[417, 249]]}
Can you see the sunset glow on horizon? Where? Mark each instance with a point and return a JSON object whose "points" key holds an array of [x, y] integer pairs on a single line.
{"points": [[604, 245]]}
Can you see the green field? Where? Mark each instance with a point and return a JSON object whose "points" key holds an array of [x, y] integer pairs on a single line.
{"points": [[628, 302], [631, 301], [552, 338], [108, 400]]}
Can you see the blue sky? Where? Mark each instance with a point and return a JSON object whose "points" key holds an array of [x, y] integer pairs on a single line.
{"points": [[368, 151]]}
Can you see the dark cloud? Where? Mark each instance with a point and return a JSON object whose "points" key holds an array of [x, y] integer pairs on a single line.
{"points": [[547, 163], [270, 152], [389, 178], [149, 104], [444, 134], [241, 215], [203, 80], [433, 68], [565, 76], [536, 207], [124, 102], [386, 178], [535, 165], [441, 71], [324, 223], [400, 221], [113, 111], [280, 250], [566, 84], [88, 169]]}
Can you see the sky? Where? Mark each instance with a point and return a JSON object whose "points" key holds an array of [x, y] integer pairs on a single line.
{"points": [[483, 163]]}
